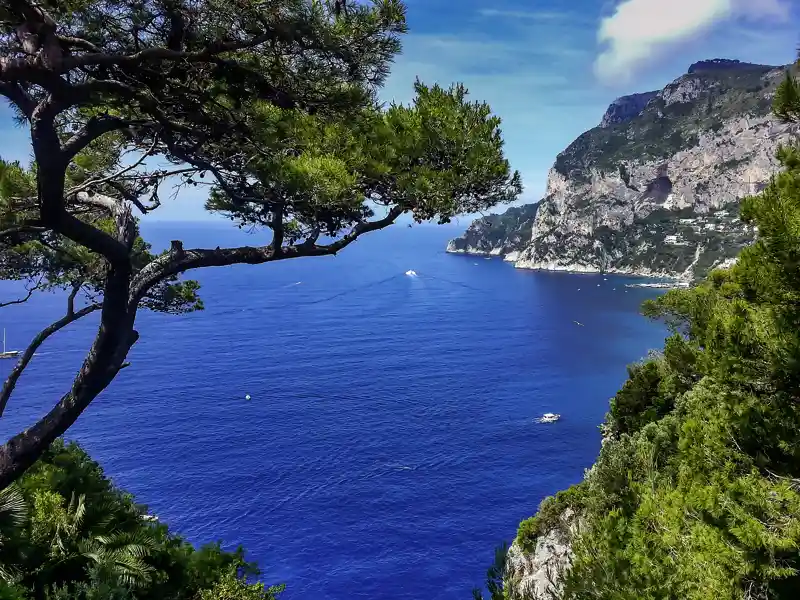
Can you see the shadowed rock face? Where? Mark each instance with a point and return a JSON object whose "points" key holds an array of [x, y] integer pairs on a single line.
{"points": [[626, 108], [657, 193], [497, 235]]}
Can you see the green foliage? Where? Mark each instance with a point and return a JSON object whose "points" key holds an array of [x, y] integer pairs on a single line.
{"points": [[786, 103], [233, 587], [495, 577], [438, 157], [549, 516], [696, 492], [639, 401], [68, 534]]}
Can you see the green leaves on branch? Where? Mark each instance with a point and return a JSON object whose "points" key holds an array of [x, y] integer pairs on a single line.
{"points": [[438, 157]]}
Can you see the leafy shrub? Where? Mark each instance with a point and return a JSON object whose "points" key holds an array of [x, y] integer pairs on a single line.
{"points": [[69, 534]]}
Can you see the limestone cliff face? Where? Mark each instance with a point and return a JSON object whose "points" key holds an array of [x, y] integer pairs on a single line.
{"points": [[626, 108], [538, 576], [658, 193]]}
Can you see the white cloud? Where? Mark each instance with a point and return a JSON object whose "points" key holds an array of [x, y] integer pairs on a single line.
{"points": [[640, 30], [485, 65]]}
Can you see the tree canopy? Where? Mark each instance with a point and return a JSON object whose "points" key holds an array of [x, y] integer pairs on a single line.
{"points": [[271, 106]]}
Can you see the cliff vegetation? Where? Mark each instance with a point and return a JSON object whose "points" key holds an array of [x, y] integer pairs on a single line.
{"points": [[699, 101], [696, 491], [497, 234]]}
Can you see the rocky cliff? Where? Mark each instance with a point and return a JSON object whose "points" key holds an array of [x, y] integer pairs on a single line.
{"points": [[538, 575], [626, 108], [496, 235], [656, 192]]}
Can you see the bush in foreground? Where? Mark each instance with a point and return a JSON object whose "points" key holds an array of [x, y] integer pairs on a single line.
{"points": [[67, 533]]}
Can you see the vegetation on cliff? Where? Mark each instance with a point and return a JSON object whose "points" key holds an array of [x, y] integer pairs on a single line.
{"points": [[696, 495], [68, 534], [498, 233]]}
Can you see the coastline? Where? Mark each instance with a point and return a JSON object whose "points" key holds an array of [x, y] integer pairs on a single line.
{"points": [[669, 280]]}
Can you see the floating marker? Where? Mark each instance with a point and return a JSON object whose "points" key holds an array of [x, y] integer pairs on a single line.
{"points": [[247, 397]]}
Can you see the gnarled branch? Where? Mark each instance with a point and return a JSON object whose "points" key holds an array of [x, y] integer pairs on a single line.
{"points": [[18, 96], [26, 298], [179, 260], [16, 373]]}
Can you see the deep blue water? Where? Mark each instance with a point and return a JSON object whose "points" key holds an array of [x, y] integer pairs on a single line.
{"points": [[390, 443]]}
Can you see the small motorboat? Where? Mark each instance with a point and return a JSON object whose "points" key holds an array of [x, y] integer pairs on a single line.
{"points": [[549, 418]]}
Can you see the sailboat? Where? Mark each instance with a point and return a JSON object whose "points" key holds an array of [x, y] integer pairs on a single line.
{"points": [[8, 353]]}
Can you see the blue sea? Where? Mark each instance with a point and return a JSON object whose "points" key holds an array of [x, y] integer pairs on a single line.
{"points": [[390, 441]]}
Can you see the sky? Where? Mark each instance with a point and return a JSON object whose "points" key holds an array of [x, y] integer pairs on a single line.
{"points": [[550, 68]]}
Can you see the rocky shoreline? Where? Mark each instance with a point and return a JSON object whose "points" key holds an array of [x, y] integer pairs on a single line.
{"points": [[669, 280]]}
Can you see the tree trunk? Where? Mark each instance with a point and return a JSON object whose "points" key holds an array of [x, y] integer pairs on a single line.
{"points": [[114, 339]]}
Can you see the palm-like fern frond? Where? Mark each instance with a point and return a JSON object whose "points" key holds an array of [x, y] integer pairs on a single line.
{"points": [[13, 516], [76, 511], [13, 508], [122, 555]]}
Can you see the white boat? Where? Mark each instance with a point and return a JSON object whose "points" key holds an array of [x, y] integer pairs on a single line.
{"points": [[8, 353], [549, 418]]}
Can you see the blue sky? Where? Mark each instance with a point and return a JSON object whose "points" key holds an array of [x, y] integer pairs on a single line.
{"points": [[550, 68]]}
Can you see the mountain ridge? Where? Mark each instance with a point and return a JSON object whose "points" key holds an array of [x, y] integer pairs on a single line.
{"points": [[654, 192]]}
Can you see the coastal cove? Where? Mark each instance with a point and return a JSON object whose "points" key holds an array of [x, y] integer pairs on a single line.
{"points": [[396, 482]]}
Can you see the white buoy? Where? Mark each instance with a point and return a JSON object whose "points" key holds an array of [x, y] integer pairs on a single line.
{"points": [[411, 273], [247, 397]]}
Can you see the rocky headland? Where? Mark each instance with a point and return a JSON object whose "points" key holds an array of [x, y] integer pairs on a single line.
{"points": [[653, 190]]}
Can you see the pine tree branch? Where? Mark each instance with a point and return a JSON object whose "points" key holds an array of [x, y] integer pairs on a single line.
{"points": [[18, 97], [30, 291], [178, 260], [70, 317]]}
